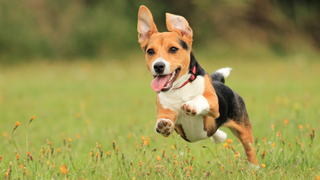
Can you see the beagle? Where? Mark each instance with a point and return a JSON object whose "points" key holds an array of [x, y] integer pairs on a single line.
{"points": [[189, 100]]}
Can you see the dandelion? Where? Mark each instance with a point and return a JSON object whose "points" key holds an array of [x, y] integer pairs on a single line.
{"points": [[17, 124], [237, 154], [225, 145], [313, 132], [300, 127], [279, 134], [63, 169], [263, 165], [192, 158], [311, 136], [163, 153], [114, 144], [307, 125], [263, 154], [147, 142], [117, 150], [229, 141], [32, 117], [159, 158]]}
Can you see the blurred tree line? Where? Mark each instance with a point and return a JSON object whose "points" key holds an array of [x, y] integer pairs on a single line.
{"points": [[98, 28]]}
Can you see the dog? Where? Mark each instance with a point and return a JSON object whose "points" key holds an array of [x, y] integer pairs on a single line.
{"points": [[189, 100]]}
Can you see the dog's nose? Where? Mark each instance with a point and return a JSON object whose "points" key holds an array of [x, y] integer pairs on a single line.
{"points": [[159, 67]]}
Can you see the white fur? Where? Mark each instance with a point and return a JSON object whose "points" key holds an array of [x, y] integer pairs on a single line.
{"points": [[167, 64], [219, 136], [200, 104], [192, 92], [178, 83], [224, 71], [179, 22]]}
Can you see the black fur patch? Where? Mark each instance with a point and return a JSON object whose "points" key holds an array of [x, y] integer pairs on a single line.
{"points": [[183, 135], [146, 47], [217, 77], [231, 105], [193, 62], [183, 44]]}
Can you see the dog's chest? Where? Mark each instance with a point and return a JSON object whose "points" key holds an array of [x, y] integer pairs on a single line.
{"points": [[192, 126]]}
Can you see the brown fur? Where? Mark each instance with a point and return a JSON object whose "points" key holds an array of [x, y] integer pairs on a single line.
{"points": [[244, 134], [150, 38]]}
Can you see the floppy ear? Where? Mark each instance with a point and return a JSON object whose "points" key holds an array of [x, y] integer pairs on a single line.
{"points": [[179, 24], [146, 26]]}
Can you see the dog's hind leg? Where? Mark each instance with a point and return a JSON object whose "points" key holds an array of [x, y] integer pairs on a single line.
{"points": [[218, 137], [244, 134]]}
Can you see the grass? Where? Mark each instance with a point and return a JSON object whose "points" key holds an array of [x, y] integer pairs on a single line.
{"points": [[95, 120]]}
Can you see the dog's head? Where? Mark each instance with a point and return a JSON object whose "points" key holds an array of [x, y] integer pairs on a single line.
{"points": [[167, 54]]}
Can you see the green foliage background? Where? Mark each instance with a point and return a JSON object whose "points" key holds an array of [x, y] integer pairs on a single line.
{"points": [[37, 29]]}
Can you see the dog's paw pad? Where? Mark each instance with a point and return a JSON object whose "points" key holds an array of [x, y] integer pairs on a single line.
{"points": [[164, 127], [189, 108]]}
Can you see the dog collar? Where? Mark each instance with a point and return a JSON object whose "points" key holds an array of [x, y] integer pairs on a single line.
{"points": [[192, 77]]}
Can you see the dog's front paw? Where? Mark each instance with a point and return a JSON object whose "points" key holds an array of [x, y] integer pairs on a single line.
{"points": [[199, 105], [164, 127], [189, 108]]}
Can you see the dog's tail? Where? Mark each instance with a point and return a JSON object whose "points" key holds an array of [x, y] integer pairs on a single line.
{"points": [[221, 74]]}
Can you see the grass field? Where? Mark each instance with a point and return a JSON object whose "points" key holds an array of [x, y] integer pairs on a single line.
{"points": [[86, 110]]}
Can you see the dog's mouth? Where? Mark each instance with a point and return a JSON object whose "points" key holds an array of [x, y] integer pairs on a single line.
{"points": [[164, 82]]}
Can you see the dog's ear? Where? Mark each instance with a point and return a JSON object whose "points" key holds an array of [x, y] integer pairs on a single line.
{"points": [[180, 25], [146, 26]]}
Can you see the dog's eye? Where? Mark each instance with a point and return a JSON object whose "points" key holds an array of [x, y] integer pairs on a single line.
{"points": [[150, 52], [173, 50]]}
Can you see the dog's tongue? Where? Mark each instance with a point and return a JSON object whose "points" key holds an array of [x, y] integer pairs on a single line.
{"points": [[158, 82]]}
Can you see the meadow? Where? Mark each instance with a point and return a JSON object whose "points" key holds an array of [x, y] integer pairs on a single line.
{"points": [[95, 120]]}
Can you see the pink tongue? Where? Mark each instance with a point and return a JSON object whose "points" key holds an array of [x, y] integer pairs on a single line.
{"points": [[158, 82]]}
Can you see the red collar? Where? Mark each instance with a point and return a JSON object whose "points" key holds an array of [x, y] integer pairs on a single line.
{"points": [[192, 77]]}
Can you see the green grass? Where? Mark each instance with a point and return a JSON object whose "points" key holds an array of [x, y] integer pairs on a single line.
{"points": [[96, 103]]}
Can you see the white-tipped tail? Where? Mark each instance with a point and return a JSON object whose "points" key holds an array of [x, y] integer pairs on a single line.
{"points": [[224, 71]]}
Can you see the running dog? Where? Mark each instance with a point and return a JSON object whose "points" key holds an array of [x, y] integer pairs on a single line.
{"points": [[189, 100]]}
